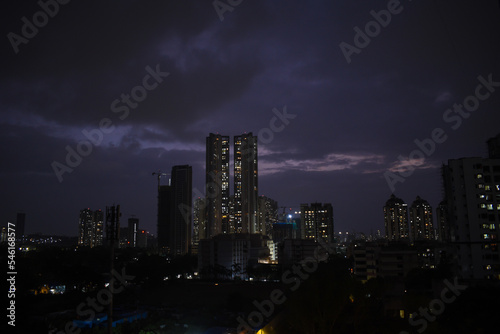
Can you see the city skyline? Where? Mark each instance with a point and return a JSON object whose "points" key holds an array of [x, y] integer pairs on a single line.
{"points": [[330, 124]]}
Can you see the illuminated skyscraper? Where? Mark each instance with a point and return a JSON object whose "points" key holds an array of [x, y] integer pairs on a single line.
{"points": [[421, 227], [396, 219], [91, 228], [245, 184], [217, 185], [316, 221]]}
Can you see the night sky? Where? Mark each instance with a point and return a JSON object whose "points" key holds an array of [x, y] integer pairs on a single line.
{"points": [[347, 122]]}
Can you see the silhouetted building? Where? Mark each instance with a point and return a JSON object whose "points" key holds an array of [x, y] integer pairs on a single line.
{"points": [[20, 224], [133, 227], [396, 219], [91, 228], [382, 258], [494, 147], [267, 215], [421, 227], [142, 238], [217, 184], [199, 223], [245, 184], [165, 217], [229, 255], [442, 224], [300, 251], [175, 212], [283, 231], [317, 222], [472, 188], [123, 237]]}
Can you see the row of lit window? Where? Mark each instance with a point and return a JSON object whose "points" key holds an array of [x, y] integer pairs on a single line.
{"points": [[489, 226], [489, 206], [487, 187]]}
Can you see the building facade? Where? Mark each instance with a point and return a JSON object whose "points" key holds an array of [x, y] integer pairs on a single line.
{"points": [[421, 226], [472, 188], [132, 230], [91, 228], [199, 223], [175, 212], [245, 184], [396, 219], [317, 222], [217, 184], [267, 215], [230, 255], [442, 224]]}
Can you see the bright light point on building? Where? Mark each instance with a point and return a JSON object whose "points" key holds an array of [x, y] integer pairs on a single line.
{"points": [[106, 285]]}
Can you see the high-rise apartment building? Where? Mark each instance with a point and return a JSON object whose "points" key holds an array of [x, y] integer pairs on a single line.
{"points": [[472, 188], [132, 230], [245, 184], [396, 219], [317, 222], [199, 222], [421, 227], [442, 224], [165, 217], [267, 215], [91, 228], [217, 185], [174, 212]]}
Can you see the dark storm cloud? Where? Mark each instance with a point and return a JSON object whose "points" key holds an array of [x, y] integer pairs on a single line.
{"points": [[351, 123]]}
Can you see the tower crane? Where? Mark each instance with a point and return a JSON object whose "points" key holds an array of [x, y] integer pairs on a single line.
{"points": [[160, 174]]}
